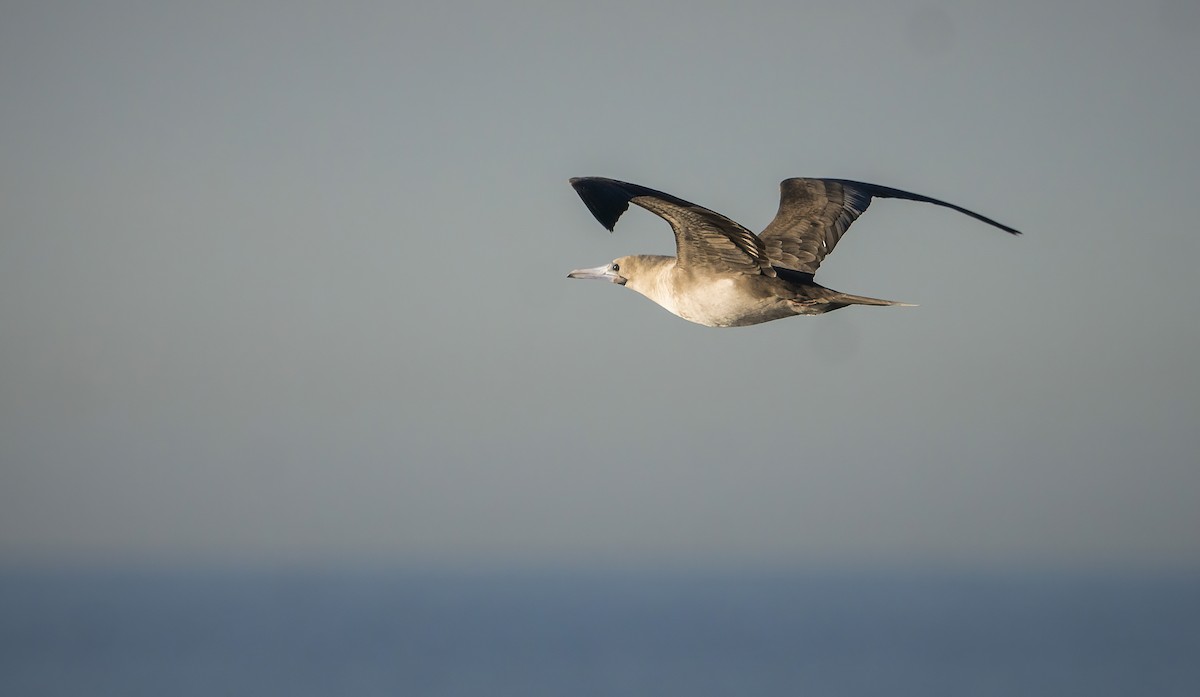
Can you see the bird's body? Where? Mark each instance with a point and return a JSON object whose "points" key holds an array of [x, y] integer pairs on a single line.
{"points": [[726, 276], [716, 300], [723, 299]]}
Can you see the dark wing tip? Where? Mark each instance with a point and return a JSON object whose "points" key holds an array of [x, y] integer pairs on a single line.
{"points": [[878, 191], [603, 197]]}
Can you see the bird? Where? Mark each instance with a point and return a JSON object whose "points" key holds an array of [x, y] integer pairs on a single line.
{"points": [[722, 274]]}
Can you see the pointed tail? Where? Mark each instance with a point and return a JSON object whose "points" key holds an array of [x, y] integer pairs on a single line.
{"points": [[847, 299]]}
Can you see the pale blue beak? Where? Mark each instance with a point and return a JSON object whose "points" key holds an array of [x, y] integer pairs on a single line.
{"points": [[599, 273]]}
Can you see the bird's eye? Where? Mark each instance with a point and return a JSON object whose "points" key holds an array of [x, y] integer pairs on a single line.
{"points": [[616, 266]]}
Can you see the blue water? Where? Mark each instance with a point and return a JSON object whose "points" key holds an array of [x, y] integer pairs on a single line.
{"points": [[303, 633]]}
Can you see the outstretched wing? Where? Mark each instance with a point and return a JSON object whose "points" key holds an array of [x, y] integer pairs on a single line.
{"points": [[815, 213], [703, 239]]}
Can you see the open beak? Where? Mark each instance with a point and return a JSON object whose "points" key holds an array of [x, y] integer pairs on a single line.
{"points": [[600, 273]]}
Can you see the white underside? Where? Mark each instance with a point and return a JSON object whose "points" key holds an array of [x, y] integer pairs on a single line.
{"points": [[718, 304]]}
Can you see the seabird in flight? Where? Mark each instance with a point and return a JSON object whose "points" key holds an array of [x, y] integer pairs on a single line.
{"points": [[723, 275]]}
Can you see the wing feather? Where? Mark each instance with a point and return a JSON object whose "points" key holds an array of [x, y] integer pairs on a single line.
{"points": [[815, 213], [703, 239]]}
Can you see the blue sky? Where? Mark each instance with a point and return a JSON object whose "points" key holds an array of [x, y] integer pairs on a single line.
{"points": [[286, 282]]}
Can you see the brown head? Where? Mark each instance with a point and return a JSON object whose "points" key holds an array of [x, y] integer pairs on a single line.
{"points": [[639, 272]]}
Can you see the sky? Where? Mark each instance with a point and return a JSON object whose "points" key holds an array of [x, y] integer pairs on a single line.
{"points": [[286, 282]]}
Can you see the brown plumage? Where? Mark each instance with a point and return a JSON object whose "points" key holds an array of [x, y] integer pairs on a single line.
{"points": [[723, 275]]}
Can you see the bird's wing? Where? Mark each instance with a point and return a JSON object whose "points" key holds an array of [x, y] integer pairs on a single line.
{"points": [[703, 239], [815, 213]]}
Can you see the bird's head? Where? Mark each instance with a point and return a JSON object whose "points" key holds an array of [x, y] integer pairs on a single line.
{"points": [[642, 273], [616, 271]]}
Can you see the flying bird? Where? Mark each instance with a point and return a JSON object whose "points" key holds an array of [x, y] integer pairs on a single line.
{"points": [[723, 275]]}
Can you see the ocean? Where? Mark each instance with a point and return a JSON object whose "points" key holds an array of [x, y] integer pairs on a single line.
{"points": [[370, 632]]}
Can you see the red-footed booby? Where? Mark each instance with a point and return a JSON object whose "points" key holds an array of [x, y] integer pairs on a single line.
{"points": [[723, 275]]}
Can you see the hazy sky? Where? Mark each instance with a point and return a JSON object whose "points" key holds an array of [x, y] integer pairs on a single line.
{"points": [[287, 281]]}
